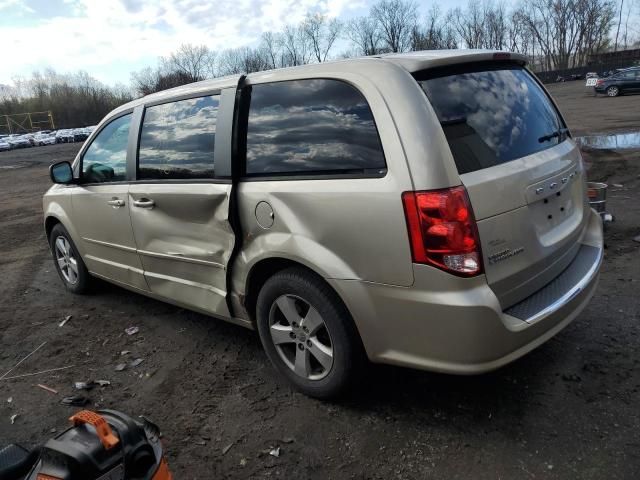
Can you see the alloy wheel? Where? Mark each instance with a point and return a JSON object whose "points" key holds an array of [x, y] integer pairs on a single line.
{"points": [[66, 260], [301, 337], [612, 91]]}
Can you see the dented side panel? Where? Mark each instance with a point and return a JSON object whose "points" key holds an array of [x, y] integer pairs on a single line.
{"points": [[185, 241]]}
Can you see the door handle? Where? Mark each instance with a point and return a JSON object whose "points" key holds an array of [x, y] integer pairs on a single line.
{"points": [[116, 203], [144, 203]]}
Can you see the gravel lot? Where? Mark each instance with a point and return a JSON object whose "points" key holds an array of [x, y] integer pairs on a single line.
{"points": [[567, 410]]}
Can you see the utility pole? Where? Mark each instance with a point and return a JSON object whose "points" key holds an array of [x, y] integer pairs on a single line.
{"points": [[615, 47]]}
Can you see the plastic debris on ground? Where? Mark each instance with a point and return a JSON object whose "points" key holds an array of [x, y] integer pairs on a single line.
{"points": [[66, 319], [120, 367], [275, 452], [13, 418], [92, 384], [75, 401], [136, 362], [132, 330]]}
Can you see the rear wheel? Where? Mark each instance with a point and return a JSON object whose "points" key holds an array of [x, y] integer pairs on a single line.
{"points": [[308, 334], [69, 264], [613, 91]]}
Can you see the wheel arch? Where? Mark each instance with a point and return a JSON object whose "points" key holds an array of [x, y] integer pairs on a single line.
{"points": [[265, 268], [50, 222]]}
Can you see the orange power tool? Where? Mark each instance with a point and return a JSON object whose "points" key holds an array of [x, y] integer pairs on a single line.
{"points": [[102, 445]]}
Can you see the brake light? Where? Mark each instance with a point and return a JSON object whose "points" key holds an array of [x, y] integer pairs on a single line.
{"points": [[599, 82], [502, 56], [442, 230]]}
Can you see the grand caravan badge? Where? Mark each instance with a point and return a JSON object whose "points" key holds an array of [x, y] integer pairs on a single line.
{"points": [[505, 254]]}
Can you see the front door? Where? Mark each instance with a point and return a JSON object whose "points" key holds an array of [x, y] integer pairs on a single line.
{"points": [[179, 208], [101, 208]]}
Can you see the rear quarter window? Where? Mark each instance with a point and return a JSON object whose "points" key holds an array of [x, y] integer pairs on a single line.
{"points": [[491, 114], [309, 127]]}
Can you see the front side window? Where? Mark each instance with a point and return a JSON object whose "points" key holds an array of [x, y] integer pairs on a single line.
{"points": [[311, 126], [491, 115], [106, 158], [177, 140]]}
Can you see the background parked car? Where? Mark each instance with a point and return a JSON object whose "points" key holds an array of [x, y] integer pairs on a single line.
{"points": [[624, 81], [4, 145], [41, 139], [80, 134], [64, 136], [18, 141]]}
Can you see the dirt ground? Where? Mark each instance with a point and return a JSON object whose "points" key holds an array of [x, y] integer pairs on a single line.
{"points": [[568, 410], [587, 113]]}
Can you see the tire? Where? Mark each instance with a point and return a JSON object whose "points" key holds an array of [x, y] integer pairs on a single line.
{"points": [[613, 91], [68, 262], [322, 356]]}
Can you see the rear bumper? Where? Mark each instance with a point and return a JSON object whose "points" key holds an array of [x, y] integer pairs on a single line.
{"points": [[456, 325]]}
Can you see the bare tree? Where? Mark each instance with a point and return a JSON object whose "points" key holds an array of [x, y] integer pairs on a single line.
{"points": [[244, 60], [191, 61], [321, 34], [567, 31], [365, 35], [271, 45], [395, 20], [296, 47], [470, 24], [150, 80], [434, 34], [495, 21], [76, 99]]}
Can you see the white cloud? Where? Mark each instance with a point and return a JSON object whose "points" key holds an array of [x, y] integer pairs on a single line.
{"points": [[104, 35]]}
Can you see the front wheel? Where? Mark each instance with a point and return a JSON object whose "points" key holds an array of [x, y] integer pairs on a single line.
{"points": [[308, 334], [69, 264], [613, 91]]}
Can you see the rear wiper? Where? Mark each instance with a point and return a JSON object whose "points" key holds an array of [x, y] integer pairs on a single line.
{"points": [[557, 133]]}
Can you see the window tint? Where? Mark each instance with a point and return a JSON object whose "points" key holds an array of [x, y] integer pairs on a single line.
{"points": [[177, 139], [106, 158], [493, 116], [309, 126]]}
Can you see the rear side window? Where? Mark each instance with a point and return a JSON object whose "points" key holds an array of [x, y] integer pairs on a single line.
{"points": [[492, 115], [106, 158], [317, 126], [627, 75], [177, 140]]}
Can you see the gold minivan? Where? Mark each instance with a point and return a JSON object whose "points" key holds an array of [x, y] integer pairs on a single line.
{"points": [[425, 209]]}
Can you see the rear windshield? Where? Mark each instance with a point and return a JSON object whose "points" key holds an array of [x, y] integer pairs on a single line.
{"points": [[491, 114]]}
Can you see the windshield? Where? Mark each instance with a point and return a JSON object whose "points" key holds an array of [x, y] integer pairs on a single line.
{"points": [[491, 114]]}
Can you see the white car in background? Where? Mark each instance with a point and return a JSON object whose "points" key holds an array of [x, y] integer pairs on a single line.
{"points": [[18, 141], [4, 145], [40, 139], [64, 136]]}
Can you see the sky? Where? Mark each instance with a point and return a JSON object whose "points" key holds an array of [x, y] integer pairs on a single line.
{"points": [[112, 38]]}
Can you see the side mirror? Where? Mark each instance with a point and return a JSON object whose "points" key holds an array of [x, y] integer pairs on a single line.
{"points": [[61, 172]]}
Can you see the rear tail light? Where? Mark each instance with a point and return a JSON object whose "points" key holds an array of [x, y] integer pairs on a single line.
{"points": [[599, 82], [442, 230]]}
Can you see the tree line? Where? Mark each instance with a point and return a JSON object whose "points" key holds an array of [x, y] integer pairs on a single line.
{"points": [[553, 34], [76, 100]]}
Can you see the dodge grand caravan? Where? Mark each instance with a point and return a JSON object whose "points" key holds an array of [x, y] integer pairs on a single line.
{"points": [[425, 210]]}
